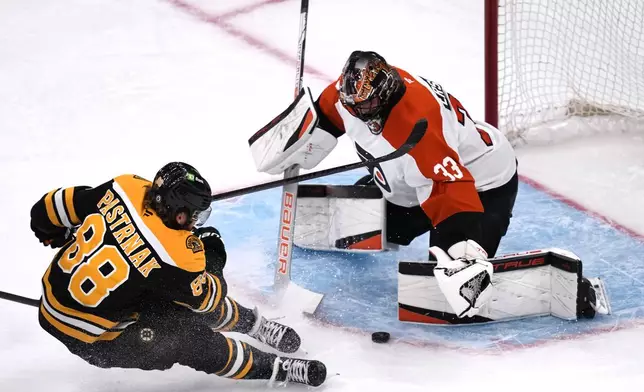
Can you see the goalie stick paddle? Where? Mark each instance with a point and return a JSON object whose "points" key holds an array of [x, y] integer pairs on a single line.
{"points": [[414, 137]]}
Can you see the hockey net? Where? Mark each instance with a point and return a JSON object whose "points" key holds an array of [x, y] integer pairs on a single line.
{"points": [[557, 69]]}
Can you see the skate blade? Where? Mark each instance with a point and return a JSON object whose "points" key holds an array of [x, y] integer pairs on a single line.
{"points": [[602, 304]]}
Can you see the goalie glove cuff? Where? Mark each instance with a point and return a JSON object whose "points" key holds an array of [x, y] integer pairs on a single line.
{"points": [[464, 277], [468, 250]]}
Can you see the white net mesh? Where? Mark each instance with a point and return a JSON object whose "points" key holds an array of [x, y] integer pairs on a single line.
{"points": [[570, 66]]}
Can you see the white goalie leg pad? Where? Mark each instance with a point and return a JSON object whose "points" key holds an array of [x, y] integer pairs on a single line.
{"points": [[526, 284], [292, 138], [340, 218], [466, 281]]}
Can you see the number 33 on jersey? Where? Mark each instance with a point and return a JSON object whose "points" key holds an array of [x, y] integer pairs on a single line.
{"points": [[456, 158]]}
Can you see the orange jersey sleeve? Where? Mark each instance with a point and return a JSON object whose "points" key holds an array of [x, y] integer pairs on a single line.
{"points": [[329, 118], [452, 186]]}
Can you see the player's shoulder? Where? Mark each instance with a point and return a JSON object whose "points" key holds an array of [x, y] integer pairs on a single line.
{"points": [[406, 76], [130, 189], [88, 199], [178, 248], [131, 182], [330, 95], [414, 102], [184, 249], [422, 93]]}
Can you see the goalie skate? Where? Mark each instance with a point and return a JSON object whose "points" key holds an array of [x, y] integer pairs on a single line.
{"points": [[601, 303], [528, 284]]}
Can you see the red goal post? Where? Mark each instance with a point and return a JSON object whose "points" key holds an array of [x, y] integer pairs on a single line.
{"points": [[556, 69]]}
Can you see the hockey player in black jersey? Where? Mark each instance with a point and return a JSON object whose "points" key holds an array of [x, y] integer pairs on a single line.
{"points": [[136, 285]]}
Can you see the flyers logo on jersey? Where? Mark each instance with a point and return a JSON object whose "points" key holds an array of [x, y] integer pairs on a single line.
{"points": [[193, 243], [375, 170]]}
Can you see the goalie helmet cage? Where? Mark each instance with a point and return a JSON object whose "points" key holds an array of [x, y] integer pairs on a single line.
{"points": [[557, 69]]}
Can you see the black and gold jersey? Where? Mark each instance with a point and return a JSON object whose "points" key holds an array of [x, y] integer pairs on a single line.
{"points": [[122, 256]]}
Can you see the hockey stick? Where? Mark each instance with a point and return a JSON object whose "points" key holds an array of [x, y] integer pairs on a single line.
{"points": [[416, 134], [414, 137], [282, 280], [19, 299]]}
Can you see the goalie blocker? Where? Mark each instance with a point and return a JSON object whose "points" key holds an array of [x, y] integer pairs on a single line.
{"points": [[528, 284]]}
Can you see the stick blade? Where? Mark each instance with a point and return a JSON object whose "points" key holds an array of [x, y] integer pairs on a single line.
{"points": [[295, 296]]}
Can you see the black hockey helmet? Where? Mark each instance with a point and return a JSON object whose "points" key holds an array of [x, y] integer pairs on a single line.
{"points": [[179, 188], [367, 84]]}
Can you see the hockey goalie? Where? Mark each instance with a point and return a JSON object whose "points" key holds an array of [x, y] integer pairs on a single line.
{"points": [[459, 183]]}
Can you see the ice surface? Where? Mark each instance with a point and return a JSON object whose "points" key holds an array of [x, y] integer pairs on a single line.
{"points": [[90, 90]]}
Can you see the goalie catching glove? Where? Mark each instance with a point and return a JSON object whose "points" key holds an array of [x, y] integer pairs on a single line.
{"points": [[292, 138], [464, 276]]}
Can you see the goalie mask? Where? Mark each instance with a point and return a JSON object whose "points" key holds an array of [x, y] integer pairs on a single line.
{"points": [[367, 85], [179, 188]]}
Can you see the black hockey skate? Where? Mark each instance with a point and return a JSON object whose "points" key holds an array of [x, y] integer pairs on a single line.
{"points": [[301, 371], [276, 335]]}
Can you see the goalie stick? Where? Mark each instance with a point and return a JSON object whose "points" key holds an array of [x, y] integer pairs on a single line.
{"points": [[282, 281]]}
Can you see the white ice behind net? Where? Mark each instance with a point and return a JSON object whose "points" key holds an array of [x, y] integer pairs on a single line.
{"points": [[570, 67]]}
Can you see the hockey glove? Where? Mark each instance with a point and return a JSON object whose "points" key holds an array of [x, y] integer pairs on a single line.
{"points": [[464, 276], [214, 247], [55, 238]]}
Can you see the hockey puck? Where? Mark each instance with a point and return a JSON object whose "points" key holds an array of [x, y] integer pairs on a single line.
{"points": [[380, 337]]}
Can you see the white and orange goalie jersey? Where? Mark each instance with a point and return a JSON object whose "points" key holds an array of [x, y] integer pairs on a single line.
{"points": [[456, 158], [377, 106]]}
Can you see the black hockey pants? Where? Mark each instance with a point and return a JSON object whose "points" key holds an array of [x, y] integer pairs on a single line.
{"points": [[405, 224], [158, 341]]}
